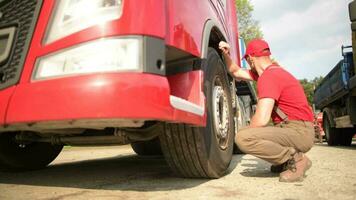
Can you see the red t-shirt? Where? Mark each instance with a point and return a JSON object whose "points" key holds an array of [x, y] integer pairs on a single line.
{"points": [[278, 84]]}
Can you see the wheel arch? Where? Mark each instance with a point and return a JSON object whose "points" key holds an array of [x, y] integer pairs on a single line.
{"points": [[211, 37]]}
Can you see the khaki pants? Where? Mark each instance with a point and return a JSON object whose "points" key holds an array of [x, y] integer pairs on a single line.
{"points": [[276, 144]]}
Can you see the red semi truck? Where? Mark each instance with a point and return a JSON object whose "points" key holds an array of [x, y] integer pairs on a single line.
{"points": [[113, 72]]}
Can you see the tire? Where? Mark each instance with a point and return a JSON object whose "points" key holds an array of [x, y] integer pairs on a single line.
{"points": [[14, 157], [147, 148], [346, 136], [204, 152], [242, 122], [248, 109], [332, 134], [243, 112]]}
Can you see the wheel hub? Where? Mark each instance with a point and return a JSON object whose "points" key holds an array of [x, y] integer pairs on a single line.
{"points": [[221, 115]]}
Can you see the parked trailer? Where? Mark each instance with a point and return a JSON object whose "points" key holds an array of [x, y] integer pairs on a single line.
{"points": [[336, 95], [98, 72]]}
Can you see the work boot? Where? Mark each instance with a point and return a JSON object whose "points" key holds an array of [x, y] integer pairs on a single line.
{"points": [[279, 168], [296, 168]]}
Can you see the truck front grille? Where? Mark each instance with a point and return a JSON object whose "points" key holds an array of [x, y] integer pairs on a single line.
{"points": [[21, 14]]}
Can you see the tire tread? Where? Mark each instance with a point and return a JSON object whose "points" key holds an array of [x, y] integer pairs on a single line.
{"points": [[194, 152], [182, 152]]}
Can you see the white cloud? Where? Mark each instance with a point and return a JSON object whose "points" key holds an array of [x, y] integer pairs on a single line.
{"points": [[305, 35], [321, 14]]}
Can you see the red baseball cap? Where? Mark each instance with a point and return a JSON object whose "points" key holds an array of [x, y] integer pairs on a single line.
{"points": [[257, 48]]}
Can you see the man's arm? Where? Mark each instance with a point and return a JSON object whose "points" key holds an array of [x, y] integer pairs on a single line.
{"points": [[233, 68], [263, 112]]}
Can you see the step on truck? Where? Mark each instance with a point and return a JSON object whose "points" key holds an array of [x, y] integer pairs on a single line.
{"points": [[115, 72], [336, 95]]}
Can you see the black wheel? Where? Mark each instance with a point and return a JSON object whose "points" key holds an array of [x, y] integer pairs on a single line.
{"points": [[241, 121], [147, 148], [20, 157], [346, 136], [332, 134], [242, 118], [204, 152], [248, 109]]}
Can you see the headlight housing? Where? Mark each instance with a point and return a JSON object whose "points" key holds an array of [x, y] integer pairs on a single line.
{"points": [[102, 55], [71, 16]]}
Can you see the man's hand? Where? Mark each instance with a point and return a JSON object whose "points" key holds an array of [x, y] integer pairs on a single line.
{"points": [[224, 47], [233, 68]]}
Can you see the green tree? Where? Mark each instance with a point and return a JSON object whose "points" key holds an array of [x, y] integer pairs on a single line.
{"points": [[248, 27], [309, 87], [308, 90]]}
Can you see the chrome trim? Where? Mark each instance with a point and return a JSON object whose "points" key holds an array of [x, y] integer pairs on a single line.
{"points": [[182, 104]]}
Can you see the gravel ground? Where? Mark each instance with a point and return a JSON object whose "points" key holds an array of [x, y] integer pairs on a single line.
{"points": [[117, 173]]}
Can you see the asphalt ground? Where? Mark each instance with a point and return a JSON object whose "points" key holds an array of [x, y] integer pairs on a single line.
{"points": [[118, 173]]}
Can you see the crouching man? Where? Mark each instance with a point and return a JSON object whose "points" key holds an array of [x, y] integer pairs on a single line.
{"points": [[281, 97]]}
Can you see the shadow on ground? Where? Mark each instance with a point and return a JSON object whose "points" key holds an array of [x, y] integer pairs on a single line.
{"points": [[130, 173], [257, 168]]}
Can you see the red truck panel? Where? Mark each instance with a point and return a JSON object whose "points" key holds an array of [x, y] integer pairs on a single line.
{"points": [[185, 25], [121, 95], [188, 86], [5, 96], [117, 95]]}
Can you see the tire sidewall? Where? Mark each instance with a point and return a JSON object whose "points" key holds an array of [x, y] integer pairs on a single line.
{"points": [[33, 156], [218, 159], [331, 134], [147, 148]]}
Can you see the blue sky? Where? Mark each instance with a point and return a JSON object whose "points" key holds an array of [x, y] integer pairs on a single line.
{"points": [[305, 36]]}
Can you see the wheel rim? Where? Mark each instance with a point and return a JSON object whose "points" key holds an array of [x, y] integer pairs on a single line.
{"points": [[220, 114]]}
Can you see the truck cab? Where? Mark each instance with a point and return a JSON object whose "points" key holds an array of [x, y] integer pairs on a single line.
{"points": [[114, 72]]}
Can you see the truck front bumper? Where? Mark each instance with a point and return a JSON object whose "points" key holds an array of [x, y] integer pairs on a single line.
{"points": [[95, 101]]}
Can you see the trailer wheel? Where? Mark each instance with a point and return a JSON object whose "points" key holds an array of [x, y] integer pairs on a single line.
{"points": [[332, 134], [147, 148], [21, 157], [346, 136], [204, 152]]}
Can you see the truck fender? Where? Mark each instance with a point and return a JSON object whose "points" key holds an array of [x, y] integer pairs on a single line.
{"points": [[208, 27]]}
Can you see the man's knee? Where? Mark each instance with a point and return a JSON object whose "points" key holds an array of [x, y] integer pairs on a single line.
{"points": [[307, 145], [243, 139]]}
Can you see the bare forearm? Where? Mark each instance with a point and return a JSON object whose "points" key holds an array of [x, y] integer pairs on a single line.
{"points": [[256, 122], [231, 66], [263, 112], [235, 70]]}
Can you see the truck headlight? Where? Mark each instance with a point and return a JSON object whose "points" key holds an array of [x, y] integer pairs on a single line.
{"points": [[102, 55], [71, 16]]}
